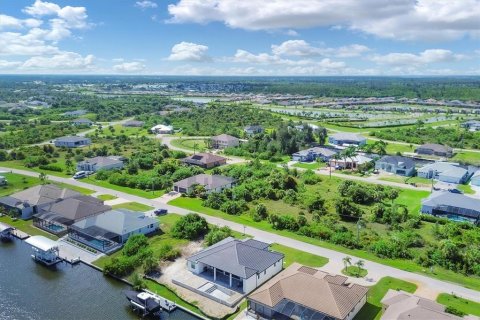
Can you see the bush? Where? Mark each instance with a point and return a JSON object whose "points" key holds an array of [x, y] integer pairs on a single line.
{"points": [[190, 227], [454, 311], [135, 244], [51, 167], [260, 213], [217, 234], [167, 253]]}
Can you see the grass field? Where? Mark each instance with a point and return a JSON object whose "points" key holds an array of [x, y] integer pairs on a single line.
{"points": [[467, 157], [354, 271], [27, 227], [373, 308], [133, 206], [16, 183], [302, 257], [106, 197], [464, 305], [191, 144], [311, 166], [118, 129], [18, 164], [135, 192], [76, 188]]}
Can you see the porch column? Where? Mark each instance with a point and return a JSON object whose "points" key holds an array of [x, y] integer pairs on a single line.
{"points": [[230, 280], [214, 274]]}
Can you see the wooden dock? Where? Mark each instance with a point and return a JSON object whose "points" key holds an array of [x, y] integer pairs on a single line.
{"points": [[20, 234]]}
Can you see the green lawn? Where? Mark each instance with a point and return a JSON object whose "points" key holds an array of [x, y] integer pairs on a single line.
{"points": [[133, 206], [18, 164], [191, 144], [467, 157], [16, 183], [280, 207], [27, 227], [399, 179], [354, 271], [372, 309], [106, 197], [302, 257], [311, 166], [393, 148], [136, 192], [408, 197], [465, 188], [464, 305], [119, 129], [76, 188]]}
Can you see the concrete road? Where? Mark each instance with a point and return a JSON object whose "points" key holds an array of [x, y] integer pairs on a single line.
{"points": [[376, 271]]}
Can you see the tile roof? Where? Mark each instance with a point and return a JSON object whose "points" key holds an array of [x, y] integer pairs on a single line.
{"points": [[317, 291], [241, 258], [203, 158]]}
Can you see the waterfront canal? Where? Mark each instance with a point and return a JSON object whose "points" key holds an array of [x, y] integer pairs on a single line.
{"points": [[30, 291]]}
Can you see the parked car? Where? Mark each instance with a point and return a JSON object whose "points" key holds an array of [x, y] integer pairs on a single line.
{"points": [[80, 175], [160, 212], [455, 191]]}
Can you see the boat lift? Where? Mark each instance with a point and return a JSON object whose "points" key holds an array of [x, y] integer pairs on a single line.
{"points": [[44, 250]]}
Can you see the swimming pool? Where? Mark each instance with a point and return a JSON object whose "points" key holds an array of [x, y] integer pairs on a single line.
{"points": [[54, 227]]}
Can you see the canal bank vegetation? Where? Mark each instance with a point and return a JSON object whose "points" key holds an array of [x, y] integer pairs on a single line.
{"points": [[369, 221]]}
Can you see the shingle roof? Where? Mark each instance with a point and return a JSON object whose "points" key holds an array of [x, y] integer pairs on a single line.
{"points": [[43, 194], [402, 305], [347, 136], [396, 160], [312, 289], [318, 150], [436, 147], [444, 168], [101, 161], [203, 158], [72, 139], [83, 120], [241, 258], [225, 137], [209, 181], [445, 198]]}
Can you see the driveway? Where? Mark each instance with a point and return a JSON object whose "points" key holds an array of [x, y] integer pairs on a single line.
{"points": [[376, 270]]}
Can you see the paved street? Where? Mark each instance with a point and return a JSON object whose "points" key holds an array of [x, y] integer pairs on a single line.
{"points": [[375, 270]]}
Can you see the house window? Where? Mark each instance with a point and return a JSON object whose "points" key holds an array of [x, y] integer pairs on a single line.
{"points": [[192, 265], [151, 226]]}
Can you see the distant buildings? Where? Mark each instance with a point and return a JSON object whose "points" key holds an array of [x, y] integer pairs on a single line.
{"points": [[211, 183], [100, 163], [162, 129], [346, 138], [401, 305], [396, 164], [444, 171], [313, 154], [471, 125], [72, 142], [133, 123], [435, 150], [453, 206], [82, 122], [301, 292], [75, 113], [243, 264], [205, 160], [224, 141], [350, 163], [253, 129]]}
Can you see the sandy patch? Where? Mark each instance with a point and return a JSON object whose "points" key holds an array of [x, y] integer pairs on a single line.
{"points": [[116, 201]]}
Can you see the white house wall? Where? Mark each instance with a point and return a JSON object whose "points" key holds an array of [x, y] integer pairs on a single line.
{"points": [[357, 308], [255, 281]]}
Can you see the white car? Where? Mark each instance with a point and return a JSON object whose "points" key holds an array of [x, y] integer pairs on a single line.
{"points": [[80, 175]]}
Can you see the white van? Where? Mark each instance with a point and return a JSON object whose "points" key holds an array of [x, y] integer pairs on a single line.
{"points": [[80, 175]]}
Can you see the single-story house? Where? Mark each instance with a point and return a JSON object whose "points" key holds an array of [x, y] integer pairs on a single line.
{"points": [[444, 171], [300, 127], [396, 164], [162, 129], [75, 113], [475, 180], [133, 123], [348, 163], [28, 202], [212, 183], [435, 150], [224, 141], [100, 163], [347, 138], [56, 217], [253, 129], [301, 292], [205, 160], [109, 230], [471, 125], [313, 154], [400, 305], [240, 264], [454, 206], [72, 142], [82, 122]]}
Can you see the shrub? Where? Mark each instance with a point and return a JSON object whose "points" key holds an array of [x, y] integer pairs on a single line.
{"points": [[167, 253], [134, 244], [190, 227], [217, 234], [51, 167]]}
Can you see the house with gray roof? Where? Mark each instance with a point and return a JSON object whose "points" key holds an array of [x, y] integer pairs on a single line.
{"points": [[205, 160], [82, 122], [475, 180], [312, 154], [224, 141], [435, 150], [75, 113], [133, 123], [56, 217], [28, 202], [301, 292], [211, 183], [72, 142], [402, 166], [471, 125], [100, 163], [444, 171], [253, 129], [109, 230], [401, 305], [240, 264], [453, 206], [347, 138]]}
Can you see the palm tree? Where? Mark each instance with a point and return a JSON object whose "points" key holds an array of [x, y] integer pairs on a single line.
{"points": [[381, 147], [350, 153], [360, 264], [347, 261], [43, 178]]}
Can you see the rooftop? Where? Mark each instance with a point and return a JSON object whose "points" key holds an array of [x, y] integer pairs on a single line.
{"points": [[445, 168], [225, 137], [42, 243], [204, 158], [445, 198], [436, 147], [347, 136], [397, 160], [71, 139], [210, 181], [43, 194], [310, 288], [101, 161], [241, 258]]}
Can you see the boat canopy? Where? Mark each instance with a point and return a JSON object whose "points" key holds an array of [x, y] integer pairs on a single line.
{"points": [[42, 243]]}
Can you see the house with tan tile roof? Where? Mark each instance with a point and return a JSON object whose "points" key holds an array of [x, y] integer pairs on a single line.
{"points": [[301, 292]]}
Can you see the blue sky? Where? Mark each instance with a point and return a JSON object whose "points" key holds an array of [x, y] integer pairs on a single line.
{"points": [[248, 37]]}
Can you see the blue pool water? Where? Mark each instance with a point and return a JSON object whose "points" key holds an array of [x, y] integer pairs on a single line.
{"points": [[55, 228]]}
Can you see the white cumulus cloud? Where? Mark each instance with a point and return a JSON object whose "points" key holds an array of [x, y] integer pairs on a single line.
{"points": [[61, 61], [146, 4], [423, 58], [129, 67], [188, 51]]}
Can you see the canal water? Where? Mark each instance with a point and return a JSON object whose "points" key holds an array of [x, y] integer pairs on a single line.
{"points": [[30, 291]]}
